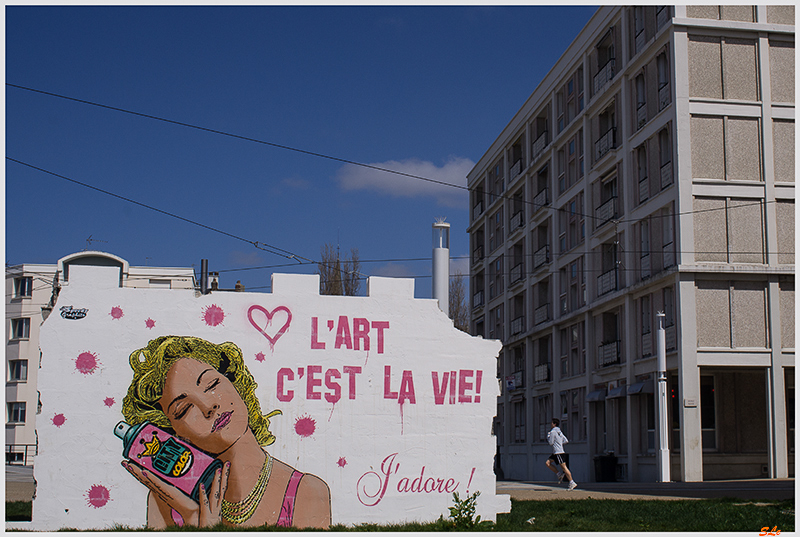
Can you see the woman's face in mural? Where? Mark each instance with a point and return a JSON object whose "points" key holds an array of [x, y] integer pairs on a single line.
{"points": [[203, 406]]}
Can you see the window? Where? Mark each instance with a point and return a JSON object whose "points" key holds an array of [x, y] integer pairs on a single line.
{"points": [[496, 323], [496, 278], [647, 340], [496, 180], [18, 370], [638, 28], [572, 223], [20, 328], [663, 80], [573, 419], [607, 128], [573, 150], [544, 415], [644, 248], [641, 172], [665, 157], [16, 412], [519, 421], [23, 287], [573, 350], [641, 101], [496, 230]]}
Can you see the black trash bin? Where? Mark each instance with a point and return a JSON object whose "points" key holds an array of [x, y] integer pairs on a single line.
{"points": [[605, 468]]}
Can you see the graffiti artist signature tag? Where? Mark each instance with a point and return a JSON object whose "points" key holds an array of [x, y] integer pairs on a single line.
{"points": [[68, 312]]}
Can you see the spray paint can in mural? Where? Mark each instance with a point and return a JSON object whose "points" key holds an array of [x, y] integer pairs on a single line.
{"points": [[176, 462]]}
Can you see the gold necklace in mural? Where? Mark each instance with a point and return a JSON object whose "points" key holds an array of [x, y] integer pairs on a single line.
{"points": [[239, 512]]}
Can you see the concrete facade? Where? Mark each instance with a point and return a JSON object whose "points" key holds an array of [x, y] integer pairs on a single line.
{"points": [[31, 292], [652, 170]]}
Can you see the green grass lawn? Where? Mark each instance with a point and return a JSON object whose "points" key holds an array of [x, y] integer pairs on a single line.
{"points": [[725, 514]]}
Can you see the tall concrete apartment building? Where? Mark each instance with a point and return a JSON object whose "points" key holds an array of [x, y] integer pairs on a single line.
{"points": [[31, 293], [652, 170]]}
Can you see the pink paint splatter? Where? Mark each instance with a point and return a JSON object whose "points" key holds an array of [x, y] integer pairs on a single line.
{"points": [[260, 357], [305, 426], [109, 401], [98, 496], [149, 323], [213, 315], [116, 313], [59, 419], [342, 462], [86, 363]]}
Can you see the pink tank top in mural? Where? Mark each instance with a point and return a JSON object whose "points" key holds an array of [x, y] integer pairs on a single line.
{"points": [[287, 509]]}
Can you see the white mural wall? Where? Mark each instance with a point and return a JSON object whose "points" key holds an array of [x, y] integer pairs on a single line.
{"points": [[385, 408]]}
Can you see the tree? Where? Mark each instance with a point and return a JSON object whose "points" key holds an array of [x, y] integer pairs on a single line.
{"points": [[458, 303], [338, 276]]}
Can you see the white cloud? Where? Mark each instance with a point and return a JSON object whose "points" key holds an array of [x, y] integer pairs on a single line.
{"points": [[453, 172]]}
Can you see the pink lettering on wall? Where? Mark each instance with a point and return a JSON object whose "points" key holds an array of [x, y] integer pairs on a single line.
{"points": [[461, 383], [372, 485], [314, 390], [357, 337]]}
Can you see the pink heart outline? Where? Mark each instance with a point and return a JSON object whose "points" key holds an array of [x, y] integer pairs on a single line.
{"points": [[269, 316]]}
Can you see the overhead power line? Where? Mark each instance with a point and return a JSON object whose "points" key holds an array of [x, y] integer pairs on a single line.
{"points": [[503, 195], [238, 136]]}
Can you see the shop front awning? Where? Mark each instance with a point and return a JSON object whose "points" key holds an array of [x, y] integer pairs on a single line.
{"points": [[641, 388], [617, 392], [596, 396]]}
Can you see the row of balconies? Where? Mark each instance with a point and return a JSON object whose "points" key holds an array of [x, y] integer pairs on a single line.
{"points": [[606, 282], [608, 354]]}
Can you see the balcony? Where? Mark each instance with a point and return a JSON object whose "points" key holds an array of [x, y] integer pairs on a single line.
{"points": [[518, 325], [605, 143], [606, 211], [608, 354], [644, 262], [516, 168], [644, 189], [477, 210], [541, 314], [604, 76], [518, 379], [541, 373], [540, 200], [607, 282], [639, 42], [663, 96], [517, 221], [647, 344], [477, 299], [641, 115], [541, 256], [538, 146], [666, 175], [669, 255], [517, 274], [671, 334], [477, 254]]}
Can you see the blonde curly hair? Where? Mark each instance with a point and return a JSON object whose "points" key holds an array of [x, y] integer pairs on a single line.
{"points": [[151, 364]]}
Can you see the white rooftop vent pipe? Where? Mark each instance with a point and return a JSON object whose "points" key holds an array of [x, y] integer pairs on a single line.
{"points": [[441, 264]]}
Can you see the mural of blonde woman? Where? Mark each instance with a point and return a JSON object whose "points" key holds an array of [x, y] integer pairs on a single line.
{"points": [[204, 394]]}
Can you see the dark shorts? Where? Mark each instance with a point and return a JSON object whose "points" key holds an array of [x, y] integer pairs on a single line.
{"points": [[559, 458]]}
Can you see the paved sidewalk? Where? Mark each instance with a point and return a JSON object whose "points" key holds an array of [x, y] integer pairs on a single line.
{"points": [[746, 489]]}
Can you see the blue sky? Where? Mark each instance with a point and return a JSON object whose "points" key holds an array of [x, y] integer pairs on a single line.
{"points": [[422, 90]]}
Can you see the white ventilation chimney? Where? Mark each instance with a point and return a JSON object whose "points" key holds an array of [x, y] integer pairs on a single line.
{"points": [[441, 264]]}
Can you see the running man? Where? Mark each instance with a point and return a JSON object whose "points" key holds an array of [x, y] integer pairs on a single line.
{"points": [[557, 462]]}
